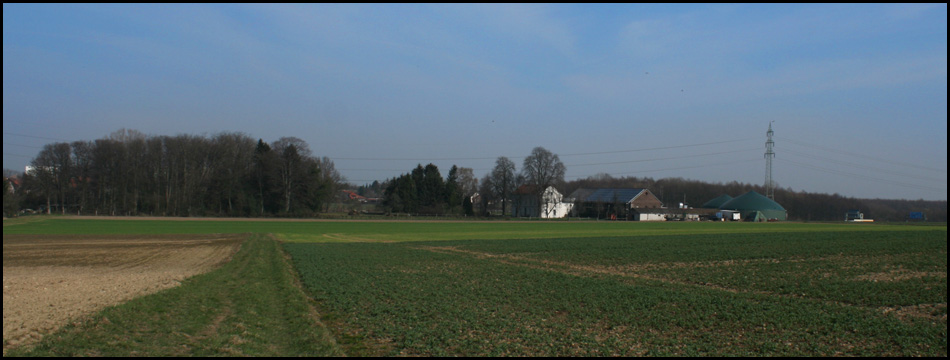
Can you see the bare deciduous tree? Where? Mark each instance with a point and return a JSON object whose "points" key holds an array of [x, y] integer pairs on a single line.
{"points": [[468, 183], [542, 169], [503, 181]]}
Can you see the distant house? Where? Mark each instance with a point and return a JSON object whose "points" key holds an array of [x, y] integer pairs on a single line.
{"points": [[632, 204], [13, 183], [856, 216], [852, 215], [525, 203], [350, 195]]}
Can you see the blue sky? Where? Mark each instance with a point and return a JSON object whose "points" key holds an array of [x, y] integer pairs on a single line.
{"points": [[856, 94]]}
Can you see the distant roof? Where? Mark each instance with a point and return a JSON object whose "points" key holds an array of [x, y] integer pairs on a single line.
{"points": [[751, 201], [531, 190], [526, 190], [612, 195], [580, 194], [717, 202]]}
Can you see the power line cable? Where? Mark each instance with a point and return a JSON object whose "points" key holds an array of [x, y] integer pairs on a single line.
{"points": [[613, 163], [675, 168], [839, 162], [42, 125], [559, 155], [862, 177], [901, 163], [639, 171], [6, 154], [656, 148], [21, 145], [661, 159], [418, 159], [35, 137]]}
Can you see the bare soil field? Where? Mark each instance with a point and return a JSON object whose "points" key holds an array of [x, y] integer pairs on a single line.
{"points": [[50, 280]]}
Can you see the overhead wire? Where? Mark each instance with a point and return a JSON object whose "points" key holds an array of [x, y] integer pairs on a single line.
{"points": [[863, 156], [657, 148], [846, 163], [35, 137], [914, 175], [559, 155], [666, 158], [574, 154], [18, 155], [782, 139], [604, 163], [21, 145], [863, 177], [674, 168]]}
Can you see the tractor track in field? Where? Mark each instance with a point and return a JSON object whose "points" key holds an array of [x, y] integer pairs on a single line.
{"points": [[636, 271]]}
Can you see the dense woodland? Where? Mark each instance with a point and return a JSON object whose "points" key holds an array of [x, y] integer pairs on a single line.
{"points": [[423, 191], [231, 174]]}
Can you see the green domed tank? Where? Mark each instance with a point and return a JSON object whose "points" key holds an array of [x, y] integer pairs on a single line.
{"points": [[756, 207]]}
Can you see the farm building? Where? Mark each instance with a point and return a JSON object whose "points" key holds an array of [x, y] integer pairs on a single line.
{"points": [[525, 203], [853, 215], [755, 207], [649, 215], [633, 204], [856, 216], [717, 202]]}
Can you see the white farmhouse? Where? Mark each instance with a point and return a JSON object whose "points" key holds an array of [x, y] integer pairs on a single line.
{"points": [[525, 203]]}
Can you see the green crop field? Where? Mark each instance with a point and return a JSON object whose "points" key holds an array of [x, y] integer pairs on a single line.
{"points": [[578, 288], [343, 231]]}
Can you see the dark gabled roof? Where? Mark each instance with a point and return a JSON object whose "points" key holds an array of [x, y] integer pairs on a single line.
{"points": [[526, 190], [580, 194], [532, 190], [614, 195]]}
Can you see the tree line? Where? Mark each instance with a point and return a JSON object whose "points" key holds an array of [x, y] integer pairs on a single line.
{"points": [[418, 192], [231, 174], [423, 191], [228, 174]]}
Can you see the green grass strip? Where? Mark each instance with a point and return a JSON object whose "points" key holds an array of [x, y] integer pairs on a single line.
{"points": [[251, 306]]}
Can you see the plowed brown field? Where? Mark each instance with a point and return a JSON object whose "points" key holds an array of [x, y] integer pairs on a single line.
{"points": [[50, 281]]}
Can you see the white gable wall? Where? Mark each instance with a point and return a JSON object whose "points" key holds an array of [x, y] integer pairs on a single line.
{"points": [[552, 205]]}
